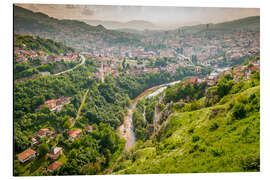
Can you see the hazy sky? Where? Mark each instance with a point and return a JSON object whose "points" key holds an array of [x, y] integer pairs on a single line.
{"points": [[166, 16]]}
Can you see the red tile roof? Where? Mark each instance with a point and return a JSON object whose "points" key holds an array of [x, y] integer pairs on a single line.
{"points": [[228, 73], [43, 131], [193, 80], [25, 154], [54, 165], [74, 133], [254, 68], [88, 128]]}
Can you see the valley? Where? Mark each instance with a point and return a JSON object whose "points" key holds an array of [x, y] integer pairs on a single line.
{"points": [[90, 100]]}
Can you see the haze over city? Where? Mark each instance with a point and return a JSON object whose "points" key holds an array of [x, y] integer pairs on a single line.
{"points": [[161, 17]]}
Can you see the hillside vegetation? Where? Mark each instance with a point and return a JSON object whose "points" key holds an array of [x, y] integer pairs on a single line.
{"points": [[72, 32], [30, 53], [221, 137]]}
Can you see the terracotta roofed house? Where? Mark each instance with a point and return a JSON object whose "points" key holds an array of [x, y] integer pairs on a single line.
{"points": [[89, 128], [73, 134], [55, 165], [193, 80], [43, 132], [26, 155], [55, 152], [228, 73], [254, 69]]}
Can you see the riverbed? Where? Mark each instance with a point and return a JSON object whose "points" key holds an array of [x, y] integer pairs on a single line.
{"points": [[127, 129]]}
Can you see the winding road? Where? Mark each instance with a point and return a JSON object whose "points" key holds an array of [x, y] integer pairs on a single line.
{"points": [[83, 61]]}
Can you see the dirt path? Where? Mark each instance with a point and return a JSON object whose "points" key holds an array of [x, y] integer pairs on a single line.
{"points": [[80, 108]]}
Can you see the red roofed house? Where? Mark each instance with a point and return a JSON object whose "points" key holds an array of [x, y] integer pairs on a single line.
{"points": [[43, 132], [238, 75], [89, 128], [73, 134], [55, 165], [193, 80], [27, 155], [254, 68], [55, 152], [228, 73]]}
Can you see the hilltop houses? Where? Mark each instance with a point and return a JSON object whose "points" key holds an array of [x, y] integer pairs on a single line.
{"points": [[27, 155]]}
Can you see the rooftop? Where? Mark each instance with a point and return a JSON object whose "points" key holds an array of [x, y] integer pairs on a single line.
{"points": [[25, 154]]}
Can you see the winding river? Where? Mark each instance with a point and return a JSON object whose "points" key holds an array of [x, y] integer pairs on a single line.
{"points": [[127, 129]]}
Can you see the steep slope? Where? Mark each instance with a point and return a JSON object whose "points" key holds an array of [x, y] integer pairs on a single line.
{"points": [[72, 32], [224, 137], [33, 56]]}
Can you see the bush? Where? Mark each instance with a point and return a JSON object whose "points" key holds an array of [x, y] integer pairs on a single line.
{"points": [[251, 163], [238, 111], [195, 138], [213, 126]]}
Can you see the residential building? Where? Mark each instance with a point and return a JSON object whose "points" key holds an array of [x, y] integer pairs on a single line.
{"points": [[55, 165], [73, 134], [26, 155]]}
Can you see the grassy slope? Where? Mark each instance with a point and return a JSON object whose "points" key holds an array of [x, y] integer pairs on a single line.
{"points": [[233, 146]]}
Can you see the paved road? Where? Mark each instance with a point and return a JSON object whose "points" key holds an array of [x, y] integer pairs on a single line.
{"points": [[83, 61]]}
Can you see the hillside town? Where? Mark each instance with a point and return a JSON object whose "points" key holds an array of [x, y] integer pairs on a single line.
{"points": [[227, 46], [237, 73], [22, 55], [85, 97]]}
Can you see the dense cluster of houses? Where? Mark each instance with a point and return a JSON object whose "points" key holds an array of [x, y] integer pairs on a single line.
{"points": [[55, 151], [181, 46], [240, 72], [22, 55], [111, 66], [55, 104]]}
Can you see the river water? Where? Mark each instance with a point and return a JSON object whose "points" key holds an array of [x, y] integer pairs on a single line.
{"points": [[127, 129]]}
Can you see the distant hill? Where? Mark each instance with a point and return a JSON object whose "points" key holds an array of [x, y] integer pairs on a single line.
{"points": [[135, 24], [251, 23], [68, 31]]}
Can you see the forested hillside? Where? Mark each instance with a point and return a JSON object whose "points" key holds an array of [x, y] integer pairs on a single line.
{"points": [[33, 56], [219, 132], [89, 100], [104, 109], [68, 31]]}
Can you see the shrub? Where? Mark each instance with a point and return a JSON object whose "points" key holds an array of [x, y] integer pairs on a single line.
{"points": [[213, 126], [238, 111], [195, 138], [251, 163], [191, 130]]}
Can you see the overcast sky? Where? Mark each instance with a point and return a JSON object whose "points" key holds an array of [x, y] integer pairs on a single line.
{"points": [[163, 16]]}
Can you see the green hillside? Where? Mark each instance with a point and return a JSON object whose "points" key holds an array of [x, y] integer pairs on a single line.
{"points": [[40, 44], [224, 137], [29, 52], [72, 32]]}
